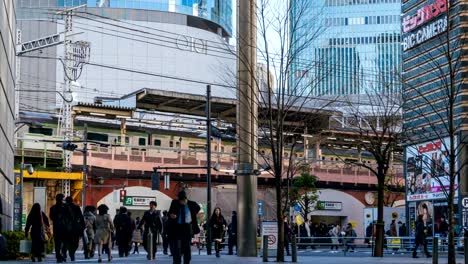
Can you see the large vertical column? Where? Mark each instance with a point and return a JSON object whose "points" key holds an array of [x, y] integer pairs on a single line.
{"points": [[247, 129]]}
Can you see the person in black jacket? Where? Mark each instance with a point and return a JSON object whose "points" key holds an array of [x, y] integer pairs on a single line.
{"points": [[37, 222], [124, 231], [420, 237], [182, 225], [153, 224], [232, 231], [61, 218], [78, 227], [218, 226], [165, 236]]}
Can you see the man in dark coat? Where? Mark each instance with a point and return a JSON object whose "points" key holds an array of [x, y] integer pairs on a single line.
{"points": [[62, 226], [232, 231], [420, 237], [165, 237], [153, 225], [401, 229], [124, 231], [182, 226], [78, 227]]}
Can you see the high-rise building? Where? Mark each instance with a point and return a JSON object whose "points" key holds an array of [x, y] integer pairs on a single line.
{"points": [[7, 109], [346, 47], [433, 71]]}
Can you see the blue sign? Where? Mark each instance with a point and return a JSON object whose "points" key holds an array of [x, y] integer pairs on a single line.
{"points": [[260, 209], [297, 208]]}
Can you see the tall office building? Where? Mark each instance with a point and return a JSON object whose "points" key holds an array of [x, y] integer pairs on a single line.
{"points": [[7, 109], [427, 77], [346, 47]]}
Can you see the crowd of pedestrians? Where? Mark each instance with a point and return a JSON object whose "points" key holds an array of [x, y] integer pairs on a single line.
{"points": [[99, 232], [311, 234]]}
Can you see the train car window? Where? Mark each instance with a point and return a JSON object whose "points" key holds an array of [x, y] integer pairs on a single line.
{"points": [[41, 130], [157, 142], [142, 142], [98, 137]]}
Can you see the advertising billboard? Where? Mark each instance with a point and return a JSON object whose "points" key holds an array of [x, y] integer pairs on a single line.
{"points": [[427, 170]]}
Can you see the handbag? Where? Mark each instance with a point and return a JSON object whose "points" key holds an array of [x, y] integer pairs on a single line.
{"points": [[136, 237], [25, 246], [45, 230]]}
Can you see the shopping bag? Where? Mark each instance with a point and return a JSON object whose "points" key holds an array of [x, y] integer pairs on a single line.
{"points": [[25, 246]]}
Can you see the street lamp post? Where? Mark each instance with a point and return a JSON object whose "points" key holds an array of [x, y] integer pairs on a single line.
{"points": [[208, 168], [85, 165]]}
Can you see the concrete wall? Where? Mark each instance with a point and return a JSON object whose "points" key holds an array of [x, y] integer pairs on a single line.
{"points": [[7, 109]]}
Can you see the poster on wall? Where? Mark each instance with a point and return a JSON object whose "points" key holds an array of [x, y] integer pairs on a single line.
{"points": [[427, 170]]}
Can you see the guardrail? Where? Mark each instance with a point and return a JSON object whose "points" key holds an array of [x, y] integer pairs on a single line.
{"points": [[391, 244]]}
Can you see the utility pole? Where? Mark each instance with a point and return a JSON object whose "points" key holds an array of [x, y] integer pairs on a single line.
{"points": [[75, 55], [247, 108], [208, 168], [85, 165]]}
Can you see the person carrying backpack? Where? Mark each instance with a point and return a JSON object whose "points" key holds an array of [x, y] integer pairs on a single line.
{"points": [[77, 228]]}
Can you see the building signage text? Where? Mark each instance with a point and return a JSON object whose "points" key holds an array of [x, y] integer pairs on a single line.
{"points": [[192, 44], [425, 33], [423, 15], [138, 200], [322, 205]]}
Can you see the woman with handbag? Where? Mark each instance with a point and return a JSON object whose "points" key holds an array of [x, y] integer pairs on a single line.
{"points": [[38, 223]]}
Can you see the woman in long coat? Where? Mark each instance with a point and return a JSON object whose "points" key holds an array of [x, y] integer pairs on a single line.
{"points": [[38, 223], [104, 230], [218, 226]]}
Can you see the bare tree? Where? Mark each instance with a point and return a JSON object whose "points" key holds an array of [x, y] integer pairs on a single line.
{"points": [[375, 122], [434, 118]]}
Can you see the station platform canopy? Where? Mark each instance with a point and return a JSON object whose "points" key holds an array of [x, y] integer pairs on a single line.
{"points": [[313, 115]]}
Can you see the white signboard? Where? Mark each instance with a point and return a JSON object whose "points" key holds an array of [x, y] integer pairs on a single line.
{"points": [[427, 170], [138, 200], [270, 229], [325, 205]]}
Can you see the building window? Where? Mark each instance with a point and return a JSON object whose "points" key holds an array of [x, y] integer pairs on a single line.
{"points": [[142, 141], [171, 144], [177, 144], [157, 142]]}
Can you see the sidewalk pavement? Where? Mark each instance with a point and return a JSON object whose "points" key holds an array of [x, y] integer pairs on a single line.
{"points": [[225, 259]]}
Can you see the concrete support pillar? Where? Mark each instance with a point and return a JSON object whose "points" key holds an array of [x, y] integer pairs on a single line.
{"points": [[247, 129]]}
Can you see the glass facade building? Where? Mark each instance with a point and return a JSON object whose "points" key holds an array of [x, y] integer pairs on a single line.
{"points": [[217, 11], [351, 47]]}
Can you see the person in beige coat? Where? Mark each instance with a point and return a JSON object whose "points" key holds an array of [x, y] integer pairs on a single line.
{"points": [[104, 229]]}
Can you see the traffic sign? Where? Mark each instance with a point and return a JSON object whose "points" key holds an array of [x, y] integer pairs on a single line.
{"points": [[465, 202], [260, 208]]}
